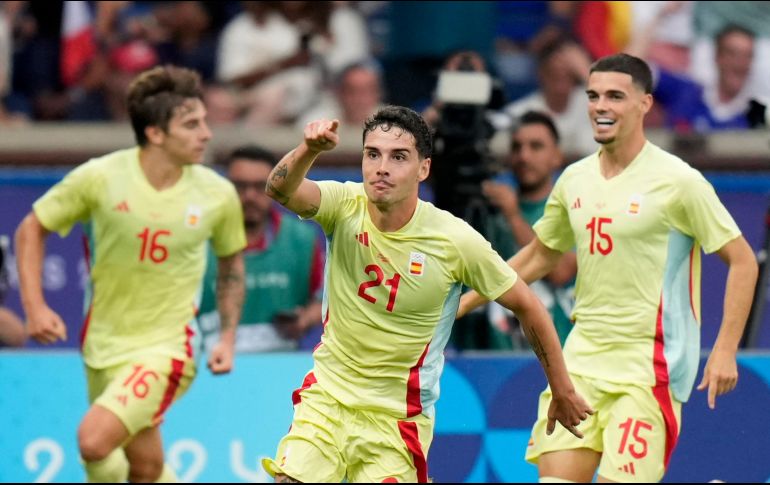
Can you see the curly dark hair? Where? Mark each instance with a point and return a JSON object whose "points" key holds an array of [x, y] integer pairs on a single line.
{"points": [[154, 95], [407, 120]]}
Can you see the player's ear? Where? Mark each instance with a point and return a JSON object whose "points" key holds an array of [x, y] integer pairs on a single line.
{"points": [[155, 134], [424, 169]]}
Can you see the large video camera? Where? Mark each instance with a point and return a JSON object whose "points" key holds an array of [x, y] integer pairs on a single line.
{"points": [[462, 156]]}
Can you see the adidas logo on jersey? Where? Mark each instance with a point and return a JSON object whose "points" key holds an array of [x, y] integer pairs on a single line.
{"points": [[122, 207], [629, 468], [363, 238], [576, 204]]}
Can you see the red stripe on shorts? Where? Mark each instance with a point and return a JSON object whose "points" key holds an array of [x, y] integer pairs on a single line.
{"points": [[413, 400], [661, 391], [412, 439], [177, 368], [310, 379]]}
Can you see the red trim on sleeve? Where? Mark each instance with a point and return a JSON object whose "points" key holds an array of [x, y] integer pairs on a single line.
{"points": [[177, 368], [413, 400], [411, 437], [87, 320], [316, 269], [661, 390], [296, 396]]}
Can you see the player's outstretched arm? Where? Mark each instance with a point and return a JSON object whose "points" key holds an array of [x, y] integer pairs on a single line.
{"points": [[287, 183], [43, 324], [230, 294], [567, 407], [532, 262], [721, 373]]}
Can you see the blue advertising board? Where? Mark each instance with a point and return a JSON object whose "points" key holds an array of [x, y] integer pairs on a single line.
{"points": [[219, 431]]}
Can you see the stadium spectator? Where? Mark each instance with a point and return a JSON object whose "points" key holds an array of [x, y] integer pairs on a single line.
{"points": [[690, 107], [357, 95], [150, 211], [562, 72], [638, 217], [361, 414], [669, 27], [535, 160], [283, 260]]}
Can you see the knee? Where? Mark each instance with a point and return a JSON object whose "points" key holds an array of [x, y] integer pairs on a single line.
{"points": [[146, 470], [92, 448]]}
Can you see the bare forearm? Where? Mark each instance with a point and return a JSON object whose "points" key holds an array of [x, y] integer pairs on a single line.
{"points": [[287, 176], [739, 291], [30, 249], [534, 261], [521, 229], [230, 295], [540, 332]]}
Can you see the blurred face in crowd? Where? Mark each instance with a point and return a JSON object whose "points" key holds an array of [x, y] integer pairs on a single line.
{"points": [[535, 156], [616, 106], [392, 167], [735, 53], [250, 178], [359, 95], [187, 135], [556, 81]]}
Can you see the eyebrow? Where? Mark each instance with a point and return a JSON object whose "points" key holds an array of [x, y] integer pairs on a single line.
{"points": [[396, 150], [609, 91]]}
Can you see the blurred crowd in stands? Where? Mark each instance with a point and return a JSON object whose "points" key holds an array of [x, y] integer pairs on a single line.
{"points": [[288, 62]]}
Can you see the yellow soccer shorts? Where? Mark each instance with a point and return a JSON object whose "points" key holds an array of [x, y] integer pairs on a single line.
{"points": [[140, 391], [329, 442], [635, 428]]}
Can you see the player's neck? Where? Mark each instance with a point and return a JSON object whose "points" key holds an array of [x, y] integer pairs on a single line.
{"points": [[617, 156], [161, 172], [393, 217]]}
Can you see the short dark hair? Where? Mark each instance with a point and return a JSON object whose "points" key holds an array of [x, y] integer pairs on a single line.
{"points": [[731, 29], [154, 95], [254, 153], [539, 118], [406, 119], [640, 72]]}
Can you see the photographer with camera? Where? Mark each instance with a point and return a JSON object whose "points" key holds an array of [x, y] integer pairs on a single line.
{"points": [[12, 332], [463, 115]]}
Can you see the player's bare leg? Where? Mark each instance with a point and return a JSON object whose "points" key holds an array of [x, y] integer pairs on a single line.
{"points": [[99, 438], [576, 465], [145, 457], [281, 478]]}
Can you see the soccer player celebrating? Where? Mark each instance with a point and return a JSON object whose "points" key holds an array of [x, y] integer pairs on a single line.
{"points": [[395, 268], [148, 213], [639, 217]]}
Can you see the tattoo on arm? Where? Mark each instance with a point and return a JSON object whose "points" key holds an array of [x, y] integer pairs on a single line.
{"points": [[537, 346], [313, 210], [282, 198], [230, 294], [280, 172]]}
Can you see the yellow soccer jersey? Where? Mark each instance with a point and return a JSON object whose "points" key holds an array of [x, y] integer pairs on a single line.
{"points": [[147, 251], [638, 237], [390, 299]]}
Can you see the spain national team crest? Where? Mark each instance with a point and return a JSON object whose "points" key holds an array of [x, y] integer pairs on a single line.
{"points": [[634, 205], [193, 217], [416, 264]]}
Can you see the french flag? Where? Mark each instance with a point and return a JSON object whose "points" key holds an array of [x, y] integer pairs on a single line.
{"points": [[78, 47]]}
